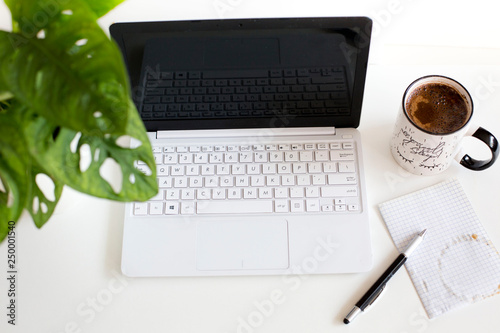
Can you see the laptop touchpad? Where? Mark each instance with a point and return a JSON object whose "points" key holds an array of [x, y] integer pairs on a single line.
{"points": [[235, 245]]}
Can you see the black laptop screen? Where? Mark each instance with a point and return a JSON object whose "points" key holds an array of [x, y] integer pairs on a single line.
{"points": [[251, 73]]}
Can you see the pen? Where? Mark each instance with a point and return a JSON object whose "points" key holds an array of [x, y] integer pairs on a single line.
{"points": [[380, 284]]}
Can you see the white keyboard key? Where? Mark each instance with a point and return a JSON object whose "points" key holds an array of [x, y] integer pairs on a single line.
{"points": [[211, 181], [292, 156], [186, 158], [246, 157], [238, 169], [321, 155], [162, 171], [340, 208], [156, 208], [342, 155], [330, 167], [322, 146], [164, 182], [312, 192], [187, 194], [335, 145], [227, 181], [347, 167], [284, 168], [140, 208], [314, 167], [222, 169], [171, 208], [265, 193], [318, 179], [297, 206], [157, 149], [253, 169], [231, 157], [312, 205], [195, 181], [182, 149], [288, 180], [172, 194], [241, 181], [240, 207], [169, 158], [258, 147], [353, 208], [281, 192], [339, 191], [250, 193], [257, 181], [208, 170], [219, 148], [260, 157], [303, 180], [271, 147], [348, 145], [269, 168], [234, 193], [203, 194], [187, 207], [284, 147], [340, 201], [194, 149], [207, 149], [306, 156], [281, 206], [310, 146], [169, 149], [327, 208], [192, 170], [177, 170], [201, 158], [272, 180], [342, 179], [276, 156], [299, 168], [296, 192], [215, 158], [219, 193], [180, 182], [297, 146]]}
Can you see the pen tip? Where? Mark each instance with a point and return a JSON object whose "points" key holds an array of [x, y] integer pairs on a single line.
{"points": [[423, 232], [346, 321]]}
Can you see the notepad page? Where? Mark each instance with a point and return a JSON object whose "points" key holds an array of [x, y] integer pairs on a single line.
{"points": [[456, 264]]}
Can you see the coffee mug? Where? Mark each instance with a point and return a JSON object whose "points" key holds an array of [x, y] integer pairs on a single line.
{"points": [[433, 119]]}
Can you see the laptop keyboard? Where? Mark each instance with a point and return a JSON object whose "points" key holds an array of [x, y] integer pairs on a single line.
{"points": [[240, 179], [245, 93]]}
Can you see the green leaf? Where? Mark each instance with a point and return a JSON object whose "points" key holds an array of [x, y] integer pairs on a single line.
{"points": [[102, 7], [70, 74], [77, 159], [14, 174]]}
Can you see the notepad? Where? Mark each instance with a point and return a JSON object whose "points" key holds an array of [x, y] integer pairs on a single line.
{"points": [[457, 263]]}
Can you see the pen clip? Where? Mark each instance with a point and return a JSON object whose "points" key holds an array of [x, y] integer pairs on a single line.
{"points": [[376, 296]]}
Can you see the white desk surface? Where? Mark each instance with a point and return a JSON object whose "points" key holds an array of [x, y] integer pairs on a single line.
{"points": [[69, 276]]}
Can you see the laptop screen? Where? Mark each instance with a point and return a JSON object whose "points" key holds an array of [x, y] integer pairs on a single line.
{"points": [[247, 73]]}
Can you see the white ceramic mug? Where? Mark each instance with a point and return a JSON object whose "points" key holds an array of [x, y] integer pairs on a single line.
{"points": [[422, 152]]}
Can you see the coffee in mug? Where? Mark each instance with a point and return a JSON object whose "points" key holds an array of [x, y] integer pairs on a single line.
{"points": [[434, 117]]}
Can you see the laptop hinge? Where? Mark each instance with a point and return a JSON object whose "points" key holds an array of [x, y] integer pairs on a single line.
{"points": [[246, 132]]}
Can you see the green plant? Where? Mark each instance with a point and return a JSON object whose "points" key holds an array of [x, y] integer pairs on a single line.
{"points": [[63, 91]]}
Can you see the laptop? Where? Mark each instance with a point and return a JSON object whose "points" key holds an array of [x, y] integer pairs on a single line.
{"points": [[259, 162]]}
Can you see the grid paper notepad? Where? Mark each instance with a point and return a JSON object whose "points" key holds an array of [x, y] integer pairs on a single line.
{"points": [[456, 264]]}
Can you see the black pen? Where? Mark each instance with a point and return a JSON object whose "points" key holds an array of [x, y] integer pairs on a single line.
{"points": [[380, 284]]}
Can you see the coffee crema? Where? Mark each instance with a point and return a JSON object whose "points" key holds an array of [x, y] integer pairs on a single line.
{"points": [[437, 108]]}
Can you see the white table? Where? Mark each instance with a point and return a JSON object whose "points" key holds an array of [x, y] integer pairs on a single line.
{"points": [[69, 276]]}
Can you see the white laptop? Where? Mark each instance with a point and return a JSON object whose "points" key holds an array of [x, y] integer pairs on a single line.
{"points": [[259, 163]]}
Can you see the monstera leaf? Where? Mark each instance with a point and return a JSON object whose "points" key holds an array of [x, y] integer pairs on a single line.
{"points": [[65, 110]]}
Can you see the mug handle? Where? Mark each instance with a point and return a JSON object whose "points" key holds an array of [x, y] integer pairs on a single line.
{"points": [[492, 143]]}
